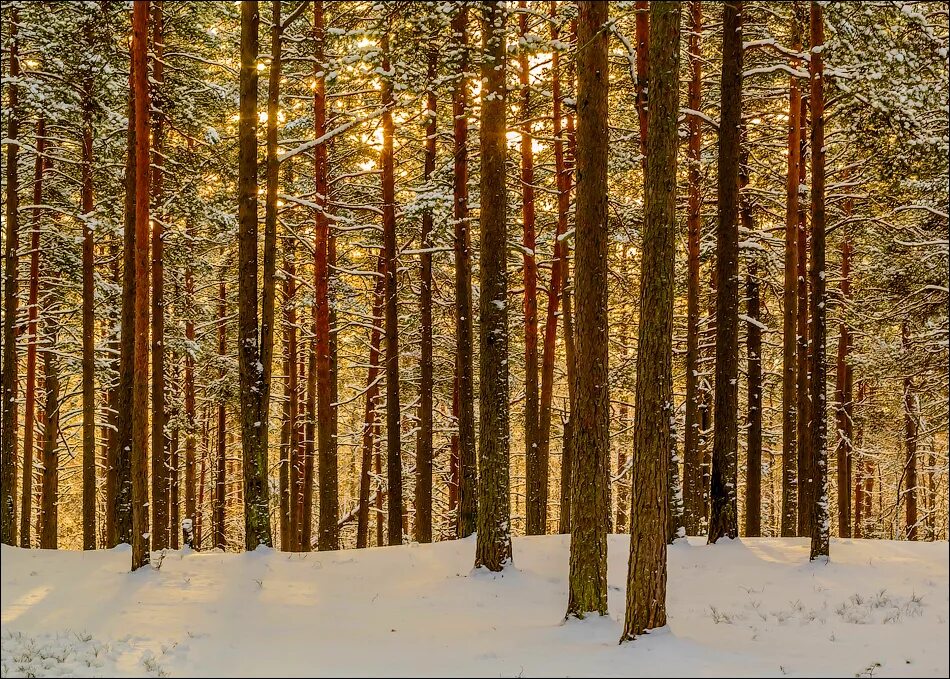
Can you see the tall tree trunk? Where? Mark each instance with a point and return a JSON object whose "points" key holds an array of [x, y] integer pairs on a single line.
{"points": [[29, 414], [393, 414], [372, 397], [160, 442], [423, 495], [911, 431], [251, 359], [642, 8], [219, 538], [590, 480], [646, 577], [844, 405], [804, 410], [819, 298], [139, 467], [693, 495], [536, 514], [289, 442], [327, 531], [49, 508], [10, 261], [790, 299], [493, 548], [723, 520], [190, 337], [468, 476], [567, 457], [859, 474]]}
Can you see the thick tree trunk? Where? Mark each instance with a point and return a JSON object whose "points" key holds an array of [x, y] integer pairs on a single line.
{"points": [[253, 383], [139, 466], [723, 520], [29, 411], [590, 480], [819, 298], [844, 405], [160, 442], [10, 260], [493, 548], [372, 397], [652, 453], [423, 495], [790, 300], [468, 476], [534, 468], [693, 495]]}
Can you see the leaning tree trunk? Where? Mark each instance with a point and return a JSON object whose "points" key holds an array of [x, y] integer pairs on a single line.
{"points": [[723, 519], [493, 548], [819, 299], [587, 592], [693, 494], [468, 476], [790, 300], [10, 260], [653, 408], [139, 466]]}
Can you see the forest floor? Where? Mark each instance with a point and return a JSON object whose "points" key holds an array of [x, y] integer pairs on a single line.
{"points": [[751, 607]]}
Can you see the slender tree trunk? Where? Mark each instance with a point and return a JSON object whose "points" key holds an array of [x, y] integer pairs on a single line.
{"points": [[911, 431], [493, 548], [723, 520], [253, 382], [29, 414], [804, 410], [587, 591], [859, 474], [10, 261], [819, 298], [289, 442], [642, 8], [844, 405], [534, 468], [692, 448], [753, 486], [49, 508], [423, 495], [468, 477], [393, 414], [139, 467], [790, 299], [190, 337], [219, 538], [646, 577], [160, 442], [372, 398]]}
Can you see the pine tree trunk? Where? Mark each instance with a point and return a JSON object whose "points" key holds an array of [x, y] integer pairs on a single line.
{"points": [[652, 446], [423, 495], [642, 8], [804, 410], [10, 260], [911, 431], [29, 413], [753, 485], [723, 520], [819, 298], [49, 508], [160, 442], [289, 442], [534, 468], [591, 474], [844, 405], [393, 413], [468, 476], [493, 547], [693, 499], [253, 384], [190, 337], [219, 537], [139, 466], [790, 300], [372, 398]]}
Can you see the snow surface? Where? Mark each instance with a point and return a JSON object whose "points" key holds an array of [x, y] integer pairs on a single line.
{"points": [[749, 607]]}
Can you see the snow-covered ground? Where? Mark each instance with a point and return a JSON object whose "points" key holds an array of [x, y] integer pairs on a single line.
{"points": [[750, 607]]}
